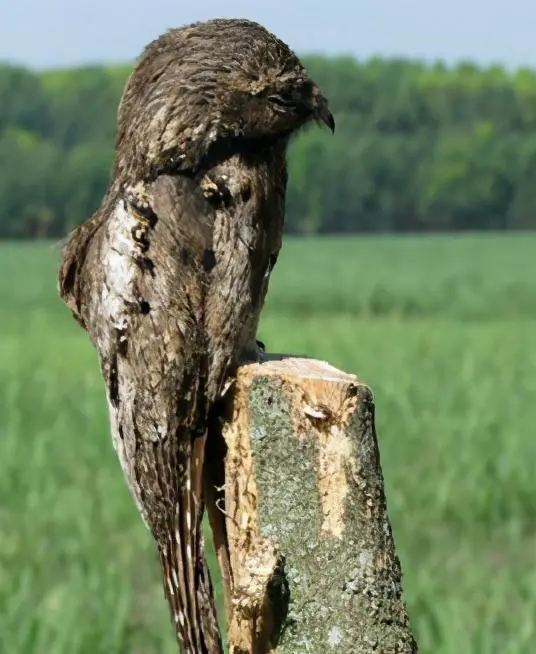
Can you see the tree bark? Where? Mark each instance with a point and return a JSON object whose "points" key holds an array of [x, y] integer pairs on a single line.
{"points": [[305, 545]]}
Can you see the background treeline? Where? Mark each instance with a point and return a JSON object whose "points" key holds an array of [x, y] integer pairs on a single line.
{"points": [[417, 148]]}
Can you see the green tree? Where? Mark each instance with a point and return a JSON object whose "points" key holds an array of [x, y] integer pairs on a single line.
{"points": [[417, 147], [28, 179], [23, 102]]}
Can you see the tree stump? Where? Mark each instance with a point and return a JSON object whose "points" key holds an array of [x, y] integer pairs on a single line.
{"points": [[305, 545]]}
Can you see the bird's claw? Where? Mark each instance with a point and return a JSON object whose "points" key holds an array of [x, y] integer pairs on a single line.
{"points": [[261, 352]]}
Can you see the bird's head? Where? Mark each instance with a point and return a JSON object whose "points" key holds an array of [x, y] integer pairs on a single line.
{"points": [[265, 88], [224, 79]]}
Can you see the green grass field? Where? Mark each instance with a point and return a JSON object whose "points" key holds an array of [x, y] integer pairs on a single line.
{"points": [[443, 329]]}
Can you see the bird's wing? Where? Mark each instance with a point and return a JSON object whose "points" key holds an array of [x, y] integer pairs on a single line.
{"points": [[138, 285]]}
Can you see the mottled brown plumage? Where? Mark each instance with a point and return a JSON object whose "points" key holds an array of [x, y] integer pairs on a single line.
{"points": [[169, 276]]}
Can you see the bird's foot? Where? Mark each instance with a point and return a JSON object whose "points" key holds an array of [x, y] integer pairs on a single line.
{"points": [[260, 352], [254, 353]]}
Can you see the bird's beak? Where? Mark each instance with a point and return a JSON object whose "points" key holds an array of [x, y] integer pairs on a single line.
{"points": [[322, 113]]}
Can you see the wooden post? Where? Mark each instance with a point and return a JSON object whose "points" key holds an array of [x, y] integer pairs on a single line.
{"points": [[309, 565]]}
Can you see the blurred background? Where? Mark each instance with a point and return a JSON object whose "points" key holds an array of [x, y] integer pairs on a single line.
{"points": [[409, 260]]}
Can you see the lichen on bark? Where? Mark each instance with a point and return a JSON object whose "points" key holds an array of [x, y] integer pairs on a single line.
{"points": [[317, 504]]}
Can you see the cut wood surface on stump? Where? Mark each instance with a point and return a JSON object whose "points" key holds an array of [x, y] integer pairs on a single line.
{"points": [[311, 565]]}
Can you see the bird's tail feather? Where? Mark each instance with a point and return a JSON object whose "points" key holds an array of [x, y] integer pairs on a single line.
{"points": [[186, 577]]}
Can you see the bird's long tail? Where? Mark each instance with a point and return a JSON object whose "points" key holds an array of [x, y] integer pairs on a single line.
{"points": [[187, 580]]}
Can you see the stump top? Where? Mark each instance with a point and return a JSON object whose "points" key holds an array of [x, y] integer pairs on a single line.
{"points": [[302, 367]]}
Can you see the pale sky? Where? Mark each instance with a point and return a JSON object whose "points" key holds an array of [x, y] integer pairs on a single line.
{"points": [[51, 33]]}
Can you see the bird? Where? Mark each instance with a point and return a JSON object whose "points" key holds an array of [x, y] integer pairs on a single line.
{"points": [[169, 275]]}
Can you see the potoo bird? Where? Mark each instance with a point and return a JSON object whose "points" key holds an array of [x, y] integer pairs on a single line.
{"points": [[169, 275]]}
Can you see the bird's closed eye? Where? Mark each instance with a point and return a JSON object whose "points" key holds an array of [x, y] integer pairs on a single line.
{"points": [[281, 101]]}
